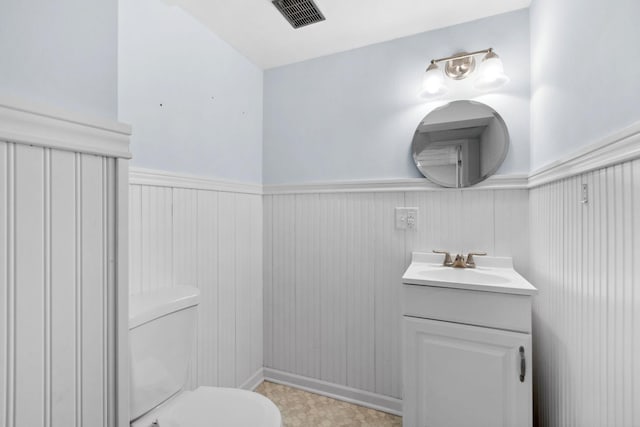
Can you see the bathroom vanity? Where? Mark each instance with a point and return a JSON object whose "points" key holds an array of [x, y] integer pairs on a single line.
{"points": [[466, 344]]}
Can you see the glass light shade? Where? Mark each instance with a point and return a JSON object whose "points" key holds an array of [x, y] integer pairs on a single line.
{"points": [[491, 73], [433, 84]]}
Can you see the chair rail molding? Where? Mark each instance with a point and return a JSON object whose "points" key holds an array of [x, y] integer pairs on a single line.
{"points": [[496, 182], [39, 125], [616, 148], [158, 178]]}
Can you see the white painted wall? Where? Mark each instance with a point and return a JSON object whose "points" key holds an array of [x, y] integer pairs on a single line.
{"points": [[333, 266], [194, 102], [352, 115], [584, 75], [211, 240], [586, 326], [61, 53]]}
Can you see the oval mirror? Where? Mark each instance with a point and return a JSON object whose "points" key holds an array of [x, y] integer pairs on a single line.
{"points": [[460, 144]]}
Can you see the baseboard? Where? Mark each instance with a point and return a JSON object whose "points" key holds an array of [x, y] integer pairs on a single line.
{"points": [[336, 391], [254, 380]]}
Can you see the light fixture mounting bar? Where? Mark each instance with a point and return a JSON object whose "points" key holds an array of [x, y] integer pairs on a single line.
{"points": [[462, 55], [461, 65]]}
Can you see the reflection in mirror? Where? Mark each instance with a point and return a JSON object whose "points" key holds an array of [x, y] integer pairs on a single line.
{"points": [[460, 144]]}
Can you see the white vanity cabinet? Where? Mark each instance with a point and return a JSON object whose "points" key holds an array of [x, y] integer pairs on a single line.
{"points": [[467, 352]]}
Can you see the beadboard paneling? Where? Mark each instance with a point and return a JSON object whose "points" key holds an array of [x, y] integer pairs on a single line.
{"points": [[63, 254], [333, 267], [586, 323], [56, 216], [6, 282], [207, 261], [390, 262], [211, 240], [227, 291]]}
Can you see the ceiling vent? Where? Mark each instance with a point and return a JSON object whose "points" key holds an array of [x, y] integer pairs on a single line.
{"points": [[299, 13]]}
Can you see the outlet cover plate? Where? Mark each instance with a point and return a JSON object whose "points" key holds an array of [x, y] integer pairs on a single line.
{"points": [[407, 218]]}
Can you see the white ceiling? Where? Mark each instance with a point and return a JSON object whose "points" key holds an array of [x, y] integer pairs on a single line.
{"points": [[257, 29]]}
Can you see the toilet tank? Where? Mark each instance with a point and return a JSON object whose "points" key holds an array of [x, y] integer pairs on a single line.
{"points": [[162, 328]]}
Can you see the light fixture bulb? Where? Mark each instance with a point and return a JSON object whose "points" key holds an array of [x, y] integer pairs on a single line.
{"points": [[433, 82], [491, 73]]}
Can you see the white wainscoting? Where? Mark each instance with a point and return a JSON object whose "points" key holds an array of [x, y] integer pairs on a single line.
{"points": [[59, 329], [586, 332], [333, 263], [210, 238]]}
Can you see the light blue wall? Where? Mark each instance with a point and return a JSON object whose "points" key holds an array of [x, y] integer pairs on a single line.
{"points": [[585, 73], [352, 115], [61, 53], [210, 122]]}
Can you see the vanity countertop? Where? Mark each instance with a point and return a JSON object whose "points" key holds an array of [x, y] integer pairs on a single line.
{"points": [[492, 274]]}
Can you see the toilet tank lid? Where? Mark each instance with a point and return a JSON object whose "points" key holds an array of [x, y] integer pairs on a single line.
{"points": [[151, 305]]}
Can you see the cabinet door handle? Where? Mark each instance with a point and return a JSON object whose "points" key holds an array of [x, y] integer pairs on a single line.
{"points": [[523, 364]]}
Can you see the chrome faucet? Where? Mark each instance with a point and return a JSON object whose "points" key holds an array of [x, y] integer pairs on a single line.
{"points": [[460, 261]]}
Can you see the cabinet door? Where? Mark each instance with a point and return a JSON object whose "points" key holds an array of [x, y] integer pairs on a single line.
{"points": [[459, 375]]}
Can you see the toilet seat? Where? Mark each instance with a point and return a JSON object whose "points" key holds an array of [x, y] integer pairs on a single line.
{"points": [[214, 407]]}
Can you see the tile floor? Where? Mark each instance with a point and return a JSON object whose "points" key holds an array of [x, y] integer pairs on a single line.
{"points": [[303, 409]]}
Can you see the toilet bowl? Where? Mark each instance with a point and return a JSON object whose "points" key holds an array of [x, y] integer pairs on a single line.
{"points": [[212, 407], [161, 333]]}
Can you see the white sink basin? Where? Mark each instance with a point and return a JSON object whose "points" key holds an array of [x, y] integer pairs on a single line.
{"points": [[492, 274], [459, 275]]}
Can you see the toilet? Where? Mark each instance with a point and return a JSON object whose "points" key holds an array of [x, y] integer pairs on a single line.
{"points": [[161, 335]]}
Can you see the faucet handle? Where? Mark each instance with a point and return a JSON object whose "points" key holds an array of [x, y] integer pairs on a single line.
{"points": [[470, 263], [447, 257]]}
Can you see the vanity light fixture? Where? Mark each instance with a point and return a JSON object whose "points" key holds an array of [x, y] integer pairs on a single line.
{"points": [[433, 84], [460, 66], [491, 74]]}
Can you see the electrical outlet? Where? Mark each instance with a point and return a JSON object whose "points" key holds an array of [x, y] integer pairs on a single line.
{"points": [[412, 218], [407, 218]]}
